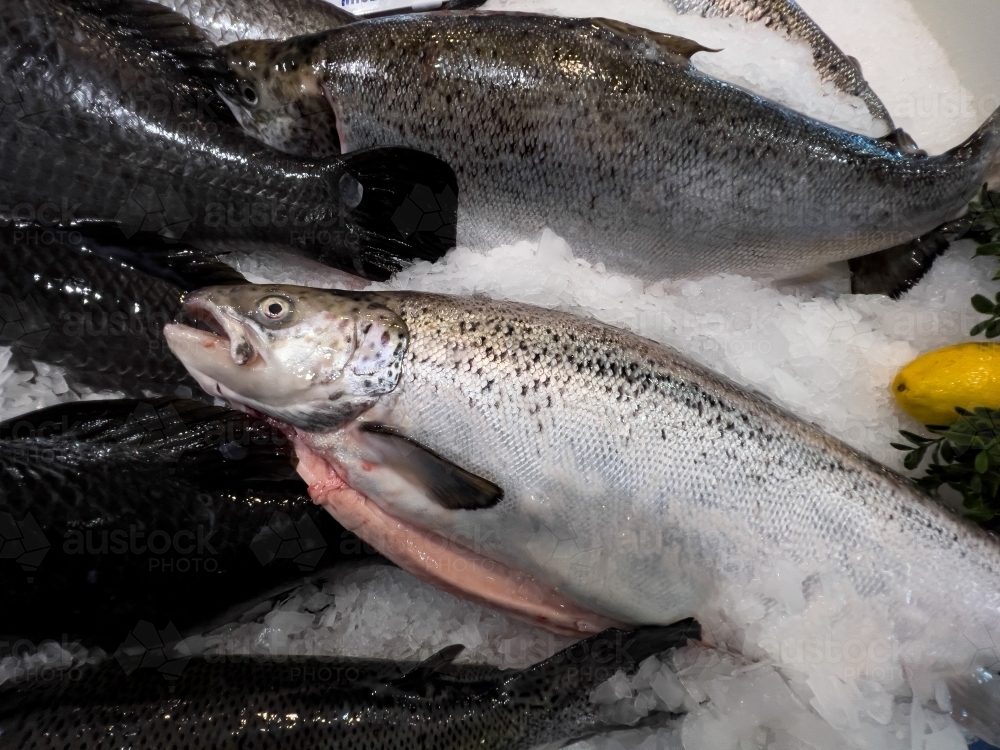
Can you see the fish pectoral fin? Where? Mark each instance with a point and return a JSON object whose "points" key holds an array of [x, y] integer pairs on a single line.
{"points": [[405, 208], [898, 269], [975, 704], [449, 485], [669, 43]]}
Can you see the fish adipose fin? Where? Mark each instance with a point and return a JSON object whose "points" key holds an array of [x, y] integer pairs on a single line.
{"points": [[402, 206], [449, 485], [666, 43], [895, 271], [903, 142], [416, 678]]}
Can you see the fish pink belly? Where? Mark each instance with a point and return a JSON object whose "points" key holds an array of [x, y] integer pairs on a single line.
{"points": [[434, 559]]}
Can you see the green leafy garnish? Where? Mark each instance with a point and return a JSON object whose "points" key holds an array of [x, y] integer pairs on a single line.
{"points": [[965, 457], [982, 224]]}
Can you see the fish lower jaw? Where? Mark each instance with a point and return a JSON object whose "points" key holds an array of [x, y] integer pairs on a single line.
{"points": [[442, 562]]}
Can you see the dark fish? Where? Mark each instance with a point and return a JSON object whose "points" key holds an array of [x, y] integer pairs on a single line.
{"points": [[104, 122], [606, 134], [166, 511], [72, 301], [343, 704]]}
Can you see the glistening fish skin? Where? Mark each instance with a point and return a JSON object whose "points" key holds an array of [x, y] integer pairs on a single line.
{"points": [[232, 20], [788, 18], [227, 21], [602, 133], [344, 704], [633, 482], [149, 510], [100, 319], [100, 126]]}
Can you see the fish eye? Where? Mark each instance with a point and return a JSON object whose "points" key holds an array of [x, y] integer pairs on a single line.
{"points": [[249, 93], [275, 308]]}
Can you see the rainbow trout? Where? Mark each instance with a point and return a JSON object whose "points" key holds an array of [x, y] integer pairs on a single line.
{"points": [[606, 134]]}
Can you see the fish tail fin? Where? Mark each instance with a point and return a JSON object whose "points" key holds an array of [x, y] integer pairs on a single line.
{"points": [[975, 704], [220, 446], [896, 270], [402, 206], [983, 148], [563, 683]]}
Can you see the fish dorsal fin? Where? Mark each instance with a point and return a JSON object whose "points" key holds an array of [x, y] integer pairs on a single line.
{"points": [[666, 43], [164, 30], [450, 486], [902, 142]]}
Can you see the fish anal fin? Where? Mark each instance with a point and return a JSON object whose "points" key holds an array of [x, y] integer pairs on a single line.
{"points": [[449, 485], [669, 43], [897, 270]]}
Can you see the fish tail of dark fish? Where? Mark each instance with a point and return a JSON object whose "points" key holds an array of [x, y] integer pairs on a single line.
{"points": [[402, 207], [896, 270], [565, 681], [588, 663]]}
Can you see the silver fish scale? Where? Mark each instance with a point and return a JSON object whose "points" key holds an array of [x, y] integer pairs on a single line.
{"points": [[642, 485]]}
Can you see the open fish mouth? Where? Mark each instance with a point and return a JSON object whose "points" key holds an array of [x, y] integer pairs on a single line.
{"points": [[441, 561], [217, 330]]}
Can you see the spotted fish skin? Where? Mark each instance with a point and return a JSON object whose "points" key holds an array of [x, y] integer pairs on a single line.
{"points": [[612, 139], [329, 703], [786, 17]]}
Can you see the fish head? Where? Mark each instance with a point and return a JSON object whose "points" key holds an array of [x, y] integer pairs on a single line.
{"points": [[275, 95], [314, 359]]}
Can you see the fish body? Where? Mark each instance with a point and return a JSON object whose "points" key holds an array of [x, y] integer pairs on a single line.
{"points": [[165, 511], [98, 317], [606, 134], [101, 126], [335, 704], [787, 18], [617, 475]]}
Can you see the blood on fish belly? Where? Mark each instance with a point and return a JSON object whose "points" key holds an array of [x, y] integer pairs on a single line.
{"points": [[444, 562]]}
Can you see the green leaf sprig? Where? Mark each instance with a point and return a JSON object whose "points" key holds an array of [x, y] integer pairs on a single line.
{"points": [[982, 224], [965, 457]]}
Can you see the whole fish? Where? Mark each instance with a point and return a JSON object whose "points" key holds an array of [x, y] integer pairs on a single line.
{"points": [[606, 134], [554, 467], [72, 301], [787, 18], [103, 124], [334, 704], [167, 511]]}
